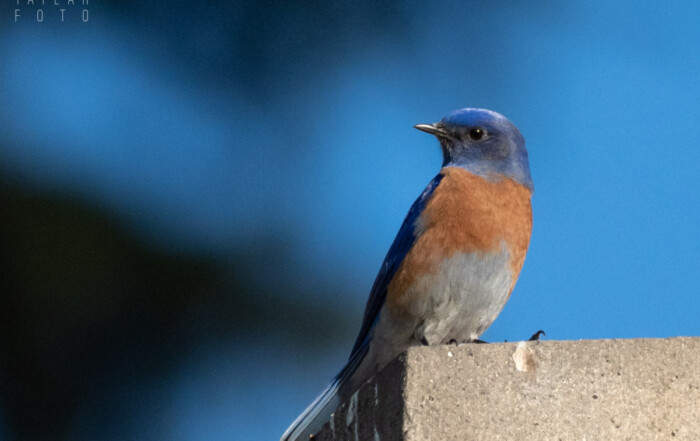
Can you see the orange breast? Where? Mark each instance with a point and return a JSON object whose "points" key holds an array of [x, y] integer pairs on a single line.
{"points": [[466, 213]]}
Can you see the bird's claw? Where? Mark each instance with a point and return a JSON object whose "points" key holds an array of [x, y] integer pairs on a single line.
{"points": [[536, 335]]}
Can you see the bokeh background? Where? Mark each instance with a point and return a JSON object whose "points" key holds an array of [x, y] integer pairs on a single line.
{"points": [[195, 197]]}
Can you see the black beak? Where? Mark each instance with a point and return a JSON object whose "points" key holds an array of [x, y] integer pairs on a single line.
{"points": [[436, 129]]}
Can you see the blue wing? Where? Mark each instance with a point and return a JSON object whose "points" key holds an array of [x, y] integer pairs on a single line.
{"points": [[398, 250], [313, 418]]}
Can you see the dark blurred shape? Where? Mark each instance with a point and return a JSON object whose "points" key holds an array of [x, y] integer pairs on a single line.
{"points": [[85, 305], [81, 301], [261, 48]]}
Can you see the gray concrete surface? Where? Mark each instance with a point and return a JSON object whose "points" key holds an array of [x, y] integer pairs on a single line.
{"points": [[639, 389]]}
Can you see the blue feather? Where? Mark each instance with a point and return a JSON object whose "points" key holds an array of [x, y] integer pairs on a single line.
{"points": [[402, 244], [313, 418]]}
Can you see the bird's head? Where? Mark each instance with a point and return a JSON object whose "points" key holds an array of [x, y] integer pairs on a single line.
{"points": [[484, 143]]}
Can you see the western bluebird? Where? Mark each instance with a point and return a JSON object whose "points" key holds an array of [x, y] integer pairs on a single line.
{"points": [[454, 261]]}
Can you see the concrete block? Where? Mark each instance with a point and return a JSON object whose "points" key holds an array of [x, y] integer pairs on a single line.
{"points": [[638, 389]]}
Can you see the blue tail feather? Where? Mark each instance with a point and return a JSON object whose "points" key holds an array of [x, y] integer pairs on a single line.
{"points": [[319, 412]]}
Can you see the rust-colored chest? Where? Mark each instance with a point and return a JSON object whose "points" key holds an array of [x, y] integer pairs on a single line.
{"points": [[467, 214]]}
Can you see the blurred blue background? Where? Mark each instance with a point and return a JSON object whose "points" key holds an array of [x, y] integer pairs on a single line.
{"points": [[196, 196]]}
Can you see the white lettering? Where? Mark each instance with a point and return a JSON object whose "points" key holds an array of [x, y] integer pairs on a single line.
{"points": [[41, 5]]}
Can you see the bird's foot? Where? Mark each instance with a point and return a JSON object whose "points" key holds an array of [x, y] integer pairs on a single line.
{"points": [[466, 342], [536, 335]]}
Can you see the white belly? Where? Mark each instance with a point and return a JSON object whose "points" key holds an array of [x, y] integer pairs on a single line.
{"points": [[459, 302], [463, 297]]}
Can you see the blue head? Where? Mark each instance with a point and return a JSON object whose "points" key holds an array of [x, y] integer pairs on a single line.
{"points": [[484, 143]]}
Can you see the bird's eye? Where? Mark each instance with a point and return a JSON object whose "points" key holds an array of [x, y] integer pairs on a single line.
{"points": [[477, 134]]}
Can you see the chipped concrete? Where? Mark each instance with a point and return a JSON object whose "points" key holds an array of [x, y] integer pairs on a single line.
{"points": [[524, 357], [646, 389]]}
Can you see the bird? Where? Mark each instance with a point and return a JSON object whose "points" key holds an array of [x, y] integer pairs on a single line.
{"points": [[455, 260]]}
